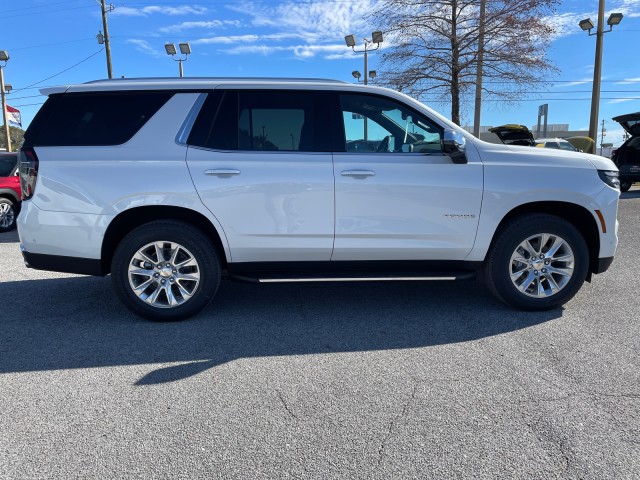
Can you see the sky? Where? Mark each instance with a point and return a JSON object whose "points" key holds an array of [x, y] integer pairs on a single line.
{"points": [[53, 42]]}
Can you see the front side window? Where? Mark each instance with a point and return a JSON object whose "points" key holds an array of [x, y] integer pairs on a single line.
{"points": [[380, 125]]}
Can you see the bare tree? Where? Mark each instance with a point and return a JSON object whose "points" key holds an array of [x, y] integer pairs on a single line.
{"points": [[436, 47]]}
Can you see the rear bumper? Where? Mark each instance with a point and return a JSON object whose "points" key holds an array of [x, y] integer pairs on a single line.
{"points": [[58, 263]]}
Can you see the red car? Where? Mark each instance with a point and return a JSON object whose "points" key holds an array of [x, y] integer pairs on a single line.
{"points": [[10, 195]]}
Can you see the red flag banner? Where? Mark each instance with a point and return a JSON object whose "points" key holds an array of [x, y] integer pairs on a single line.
{"points": [[13, 116]]}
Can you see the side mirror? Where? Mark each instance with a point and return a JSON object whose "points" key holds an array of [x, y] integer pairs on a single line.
{"points": [[454, 145]]}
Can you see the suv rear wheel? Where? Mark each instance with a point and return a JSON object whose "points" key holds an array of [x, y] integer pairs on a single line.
{"points": [[165, 270], [8, 215], [538, 262]]}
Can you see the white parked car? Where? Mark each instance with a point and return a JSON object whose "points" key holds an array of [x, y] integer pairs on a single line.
{"points": [[170, 184]]}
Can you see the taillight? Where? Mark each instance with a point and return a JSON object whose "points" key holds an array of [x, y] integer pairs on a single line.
{"points": [[29, 163]]}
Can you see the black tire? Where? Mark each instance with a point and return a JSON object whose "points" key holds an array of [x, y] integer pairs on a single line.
{"points": [[625, 185], [8, 214], [529, 284], [188, 275]]}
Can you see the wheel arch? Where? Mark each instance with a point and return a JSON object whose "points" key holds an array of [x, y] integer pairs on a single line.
{"points": [[132, 218], [9, 194], [577, 215]]}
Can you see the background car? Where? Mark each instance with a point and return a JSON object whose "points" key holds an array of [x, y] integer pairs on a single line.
{"points": [[583, 144], [627, 156], [9, 191], [559, 143], [514, 134]]}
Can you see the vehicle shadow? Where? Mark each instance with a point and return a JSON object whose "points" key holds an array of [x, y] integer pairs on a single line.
{"points": [[78, 322], [633, 193], [9, 237]]}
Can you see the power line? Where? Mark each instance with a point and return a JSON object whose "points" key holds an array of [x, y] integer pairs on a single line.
{"points": [[36, 6], [61, 72]]}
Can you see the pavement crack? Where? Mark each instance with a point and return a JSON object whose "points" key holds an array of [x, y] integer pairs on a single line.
{"points": [[286, 407], [393, 423]]}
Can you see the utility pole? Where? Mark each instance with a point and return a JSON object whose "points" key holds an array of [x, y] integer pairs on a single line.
{"points": [[597, 74], [4, 57], [603, 133], [107, 42], [478, 105]]}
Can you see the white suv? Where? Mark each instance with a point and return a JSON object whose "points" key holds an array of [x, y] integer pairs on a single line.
{"points": [[169, 185]]}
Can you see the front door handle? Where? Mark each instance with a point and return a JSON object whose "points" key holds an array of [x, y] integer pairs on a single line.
{"points": [[222, 172], [357, 173]]}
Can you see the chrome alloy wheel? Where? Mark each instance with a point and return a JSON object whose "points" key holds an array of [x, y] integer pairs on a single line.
{"points": [[542, 265], [164, 274], [7, 215]]}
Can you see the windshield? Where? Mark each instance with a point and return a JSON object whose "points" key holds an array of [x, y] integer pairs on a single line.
{"points": [[564, 145]]}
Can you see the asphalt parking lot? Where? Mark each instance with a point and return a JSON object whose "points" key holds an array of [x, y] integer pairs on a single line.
{"points": [[388, 381]]}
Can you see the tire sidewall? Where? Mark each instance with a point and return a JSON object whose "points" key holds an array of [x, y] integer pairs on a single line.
{"points": [[12, 206], [181, 233], [497, 269]]}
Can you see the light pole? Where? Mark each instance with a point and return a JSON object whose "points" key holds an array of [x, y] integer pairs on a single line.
{"points": [[4, 58], [350, 40], [376, 37], [185, 49], [587, 25]]}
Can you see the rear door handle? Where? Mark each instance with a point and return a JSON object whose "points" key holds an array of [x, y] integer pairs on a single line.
{"points": [[357, 173], [222, 172]]}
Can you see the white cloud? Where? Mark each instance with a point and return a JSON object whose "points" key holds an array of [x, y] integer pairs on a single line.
{"points": [[144, 47], [574, 84], [630, 8], [164, 10], [622, 100], [228, 40], [181, 27], [317, 19], [629, 81]]}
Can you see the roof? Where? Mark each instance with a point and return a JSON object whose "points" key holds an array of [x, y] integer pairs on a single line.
{"points": [[184, 83]]}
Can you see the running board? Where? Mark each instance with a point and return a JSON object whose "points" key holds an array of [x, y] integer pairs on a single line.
{"points": [[449, 276]]}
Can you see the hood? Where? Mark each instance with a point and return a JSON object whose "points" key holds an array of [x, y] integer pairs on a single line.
{"points": [[514, 134], [630, 122], [546, 157], [584, 144]]}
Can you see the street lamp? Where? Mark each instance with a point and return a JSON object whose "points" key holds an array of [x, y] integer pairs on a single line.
{"points": [[185, 49], [4, 58], [587, 25], [372, 75], [376, 37]]}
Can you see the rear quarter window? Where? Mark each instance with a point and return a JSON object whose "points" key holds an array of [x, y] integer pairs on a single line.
{"points": [[93, 119]]}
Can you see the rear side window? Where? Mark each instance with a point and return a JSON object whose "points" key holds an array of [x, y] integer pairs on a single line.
{"points": [[264, 121], [8, 165], [92, 119]]}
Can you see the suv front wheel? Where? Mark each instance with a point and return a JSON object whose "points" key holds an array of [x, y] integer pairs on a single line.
{"points": [[165, 271], [538, 262]]}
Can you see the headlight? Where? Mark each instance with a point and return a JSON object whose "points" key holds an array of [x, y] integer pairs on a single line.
{"points": [[610, 177]]}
